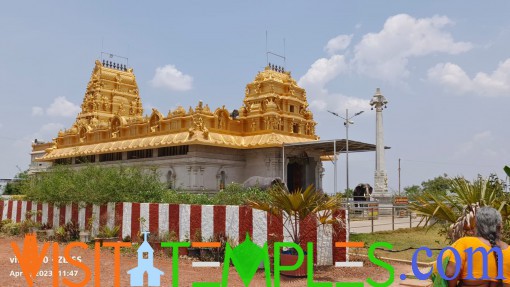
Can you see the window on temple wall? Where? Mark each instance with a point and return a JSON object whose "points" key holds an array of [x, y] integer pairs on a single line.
{"points": [[110, 156], [173, 150], [295, 128], [169, 179], [136, 154], [85, 159], [63, 161], [291, 108], [223, 178]]}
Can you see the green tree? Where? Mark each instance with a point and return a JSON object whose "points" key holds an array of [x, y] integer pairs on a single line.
{"points": [[413, 191], [347, 193], [15, 186], [456, 210], [437, 185]]}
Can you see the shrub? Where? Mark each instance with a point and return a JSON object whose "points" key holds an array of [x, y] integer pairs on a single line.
{"points": [[107, 232], [4, 222], [72, 230], [95, 184], [11, 228], [170, 236], [60, 234], [233, 194], [99, 184], [68, 232]]}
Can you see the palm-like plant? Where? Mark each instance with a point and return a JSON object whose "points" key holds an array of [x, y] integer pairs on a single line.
{"points": [[457, 210], [299, 205]]}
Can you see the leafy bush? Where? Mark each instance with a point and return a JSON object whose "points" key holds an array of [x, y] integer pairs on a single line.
{"points": [[107, 232], [233, 194], [98, 184], [11, 228], [4, 222], [72, 230], [95, 184], [68, 232], [15, 186]]}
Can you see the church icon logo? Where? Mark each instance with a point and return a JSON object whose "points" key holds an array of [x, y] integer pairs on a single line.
{"points": [[145, 264]]}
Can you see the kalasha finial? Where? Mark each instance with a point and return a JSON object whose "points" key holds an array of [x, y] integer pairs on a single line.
{"points": [[378, 100]]}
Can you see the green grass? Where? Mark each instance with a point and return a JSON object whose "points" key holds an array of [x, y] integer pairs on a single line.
{"points": [[402, 239]]}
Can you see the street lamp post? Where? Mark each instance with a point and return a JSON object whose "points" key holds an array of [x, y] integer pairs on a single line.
{"points": [[347, 122]]}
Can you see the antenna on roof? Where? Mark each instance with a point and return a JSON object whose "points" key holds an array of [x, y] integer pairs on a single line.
{"points": [[284, 64], [121, 62], [277, 55], [267, 56]]}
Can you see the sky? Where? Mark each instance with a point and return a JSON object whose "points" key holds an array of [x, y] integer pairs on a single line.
{"points": [[444, 67]]}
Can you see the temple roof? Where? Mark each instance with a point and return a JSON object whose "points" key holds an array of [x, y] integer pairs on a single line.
{"points": [[274, 111], [183, 138]]}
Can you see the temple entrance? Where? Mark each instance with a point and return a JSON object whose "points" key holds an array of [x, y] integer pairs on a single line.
{"points": [[296, 176]]}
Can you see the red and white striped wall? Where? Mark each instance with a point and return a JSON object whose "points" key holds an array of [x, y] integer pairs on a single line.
{"points": [[185, 221]]}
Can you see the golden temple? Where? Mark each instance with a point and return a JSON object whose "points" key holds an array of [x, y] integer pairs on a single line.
{"points": [[195, 149], [274, 111]]}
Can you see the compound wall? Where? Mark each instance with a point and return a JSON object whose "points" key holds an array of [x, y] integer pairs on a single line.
{"points": [[185, 221]]}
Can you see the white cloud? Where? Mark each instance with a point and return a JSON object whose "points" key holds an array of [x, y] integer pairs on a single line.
{"points": [[337, 102], [60, 107], [337, 44], [385, 55], [498, 83], [323, 71], [49, 130], [382, 55], [314, 81], [63, 108], [171, 78], [37, 111], [453, 78]]}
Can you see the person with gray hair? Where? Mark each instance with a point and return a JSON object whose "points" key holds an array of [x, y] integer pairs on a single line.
{"points": [[485, 248]]}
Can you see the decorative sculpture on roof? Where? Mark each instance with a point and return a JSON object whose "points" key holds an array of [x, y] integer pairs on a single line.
{"points": [[273, 105], [198, 125]]}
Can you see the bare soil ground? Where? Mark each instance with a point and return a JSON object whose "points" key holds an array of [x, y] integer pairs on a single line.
{"points": [[187, 273]]}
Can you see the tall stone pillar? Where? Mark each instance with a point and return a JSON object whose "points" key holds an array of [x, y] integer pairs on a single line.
{"points": [[381, 180]]}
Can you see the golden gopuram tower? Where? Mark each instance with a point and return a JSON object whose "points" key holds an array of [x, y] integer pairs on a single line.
{"points": [[195, 149]]}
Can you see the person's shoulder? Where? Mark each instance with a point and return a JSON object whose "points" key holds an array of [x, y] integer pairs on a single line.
{"points": [[467, 240], [504, 246]]}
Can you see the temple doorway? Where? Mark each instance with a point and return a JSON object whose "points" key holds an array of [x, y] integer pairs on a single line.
{"points": [[296, 176]]}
